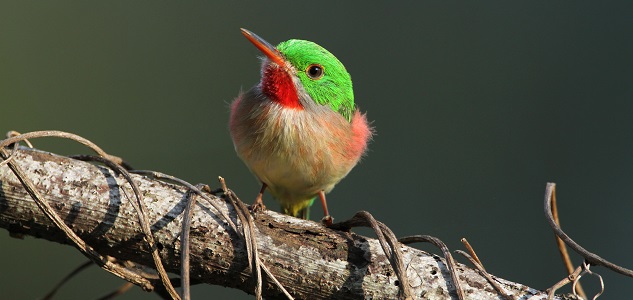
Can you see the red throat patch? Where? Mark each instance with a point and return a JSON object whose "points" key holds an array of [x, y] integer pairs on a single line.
{"points": [[277, 84]]}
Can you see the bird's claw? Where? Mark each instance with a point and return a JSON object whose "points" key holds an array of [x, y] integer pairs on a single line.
{"points": [[257, 207], [327, 221]]}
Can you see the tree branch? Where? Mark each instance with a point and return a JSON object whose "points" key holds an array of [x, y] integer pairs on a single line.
{"points": [[310, 260]]}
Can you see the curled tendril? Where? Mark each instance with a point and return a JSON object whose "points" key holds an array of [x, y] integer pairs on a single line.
{"points": [[585, 270]]}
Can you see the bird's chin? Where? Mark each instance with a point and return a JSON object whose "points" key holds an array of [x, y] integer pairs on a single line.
{"points": [[278, 85]]}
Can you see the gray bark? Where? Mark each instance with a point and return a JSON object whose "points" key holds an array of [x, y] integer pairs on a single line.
{"points": [[310, 260]]}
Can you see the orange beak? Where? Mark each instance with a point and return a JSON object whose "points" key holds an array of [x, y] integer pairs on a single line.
{"points": [[269, 50]]}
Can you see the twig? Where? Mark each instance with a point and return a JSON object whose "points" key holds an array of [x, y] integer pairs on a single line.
{"points": [[184, 243], [483, 272], [142, 216], [473, 255], [56, 219], [592, 258], [7, 159], [191, 187], [570, 278], [474, 259], [248, 234], [61, 134], [14, 133], [122, 289], [74, 272], [562, 249], [450, 262], [114, 163], [585, 269], [275, 281], [388, 242], [249, 237], [574, 278]]}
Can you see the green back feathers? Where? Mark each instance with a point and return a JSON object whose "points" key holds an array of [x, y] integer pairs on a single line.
{"points": [[334, 88]]}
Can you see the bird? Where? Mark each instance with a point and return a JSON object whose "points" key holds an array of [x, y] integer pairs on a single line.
{"points": [[298, 130]]}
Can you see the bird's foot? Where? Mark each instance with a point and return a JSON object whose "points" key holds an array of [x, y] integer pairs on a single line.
{"points": [[257, 207], [327, 221]]}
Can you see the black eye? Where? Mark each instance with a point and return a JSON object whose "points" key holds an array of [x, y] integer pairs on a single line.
{"points": [[314, 71]]}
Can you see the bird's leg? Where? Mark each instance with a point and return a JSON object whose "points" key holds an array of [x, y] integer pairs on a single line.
{"points": [[259, 203], [327, 219]]}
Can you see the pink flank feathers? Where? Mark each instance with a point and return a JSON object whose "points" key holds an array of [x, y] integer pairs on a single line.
{"points": [[362, 133]]}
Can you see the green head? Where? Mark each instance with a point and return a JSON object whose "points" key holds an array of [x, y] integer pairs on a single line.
{"points": [[322, 76]]}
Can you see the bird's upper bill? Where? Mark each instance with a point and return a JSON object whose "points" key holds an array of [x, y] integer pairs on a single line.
{"points": [[269, 50], [276, 82]]}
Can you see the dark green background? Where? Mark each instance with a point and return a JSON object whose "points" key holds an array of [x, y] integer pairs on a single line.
{"points": [[476, 107]]}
